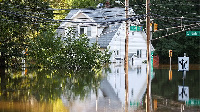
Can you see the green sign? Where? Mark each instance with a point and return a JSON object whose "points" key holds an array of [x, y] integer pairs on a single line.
{"points": [[193, 102], [152, 64], [134, 103], [135, 28], [192, 33]]}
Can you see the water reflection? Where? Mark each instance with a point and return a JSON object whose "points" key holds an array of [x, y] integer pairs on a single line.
{"points": [[42, 90], [65, 91], [166, 92], [53, 90], [136, 85]]}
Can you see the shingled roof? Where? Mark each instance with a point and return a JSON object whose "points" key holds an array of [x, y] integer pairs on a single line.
{"points": [[102, 15]]}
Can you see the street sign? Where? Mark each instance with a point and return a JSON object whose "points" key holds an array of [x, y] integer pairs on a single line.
{"points": [[183, 63], [183, 93], [152, 64], [193, 102], [136, 103], [135, 28], [139, 28], [192, 33]]}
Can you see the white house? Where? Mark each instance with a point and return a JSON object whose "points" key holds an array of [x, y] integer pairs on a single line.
{"points": [[106, 27]]}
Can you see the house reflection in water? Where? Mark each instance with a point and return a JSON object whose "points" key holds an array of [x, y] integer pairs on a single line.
{"points": [[137, 80], [111, 94]]}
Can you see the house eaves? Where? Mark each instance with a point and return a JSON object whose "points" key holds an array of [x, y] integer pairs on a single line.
{"points": [[103, 15], [81, 12], [107, 35]]}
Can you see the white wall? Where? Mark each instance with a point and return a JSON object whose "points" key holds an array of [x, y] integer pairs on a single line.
{"points": [[136, 41], [77, 18]]}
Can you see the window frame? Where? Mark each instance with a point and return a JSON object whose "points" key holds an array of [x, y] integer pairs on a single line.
{"points": [[139, 53]]}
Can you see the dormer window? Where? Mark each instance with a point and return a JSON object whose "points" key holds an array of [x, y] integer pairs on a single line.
{"points": [[85, 30], [82, 30]]}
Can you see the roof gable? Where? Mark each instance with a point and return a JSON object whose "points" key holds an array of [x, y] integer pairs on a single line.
{"points": [[99, 15], [80, 16]]}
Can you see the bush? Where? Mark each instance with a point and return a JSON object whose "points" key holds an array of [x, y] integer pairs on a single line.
{"points": [[71, 52]]}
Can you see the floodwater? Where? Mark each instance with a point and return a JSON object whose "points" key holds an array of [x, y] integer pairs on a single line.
{"points": [[41, 90]]}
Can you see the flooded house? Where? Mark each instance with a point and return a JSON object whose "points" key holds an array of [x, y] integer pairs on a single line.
{"points": [[106, 26]]}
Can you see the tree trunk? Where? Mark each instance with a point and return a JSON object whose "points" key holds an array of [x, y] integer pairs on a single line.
{"points": [[3, 76], [3, 82], [2, 65], [2, 62]]}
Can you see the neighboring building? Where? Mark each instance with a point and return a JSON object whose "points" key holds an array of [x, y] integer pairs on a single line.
{"points": [[97, 25]]}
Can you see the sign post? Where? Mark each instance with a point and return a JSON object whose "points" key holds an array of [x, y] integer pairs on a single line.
{"points": [[183, 65], [170, 70], [183, 93]]}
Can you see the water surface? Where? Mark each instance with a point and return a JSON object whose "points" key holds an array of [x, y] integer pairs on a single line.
{"points": [[37, 90]]}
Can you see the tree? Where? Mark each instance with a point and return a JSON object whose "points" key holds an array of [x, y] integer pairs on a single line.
{"points": [[72, 52], [167, 14], [20, 20], [64, 6], [179, 43]]}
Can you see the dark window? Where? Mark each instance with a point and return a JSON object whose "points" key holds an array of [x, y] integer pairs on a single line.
{"points": [[81, 31], [138, 69], [139, 53]]}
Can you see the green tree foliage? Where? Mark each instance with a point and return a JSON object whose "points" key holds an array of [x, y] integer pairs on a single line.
{"points": [[71, 52], [167, 14], [19, 20], [83, 3], [71, 4], [24, 25], [67, 5]]}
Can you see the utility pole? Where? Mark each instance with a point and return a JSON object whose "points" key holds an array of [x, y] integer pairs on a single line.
{"points": [[148, 58], [126, 52]]}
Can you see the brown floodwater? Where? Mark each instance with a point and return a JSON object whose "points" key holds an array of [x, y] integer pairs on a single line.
{"points": [[40, 90]]}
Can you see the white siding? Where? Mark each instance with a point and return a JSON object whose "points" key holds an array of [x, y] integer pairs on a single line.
{"points": [[136, 42]]}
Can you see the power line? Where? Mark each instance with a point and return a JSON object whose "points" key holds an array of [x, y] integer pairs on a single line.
{"points": [[185, 29], [174, 4], [176, 27], [105, 22], [174, 18], [67, 20]]}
